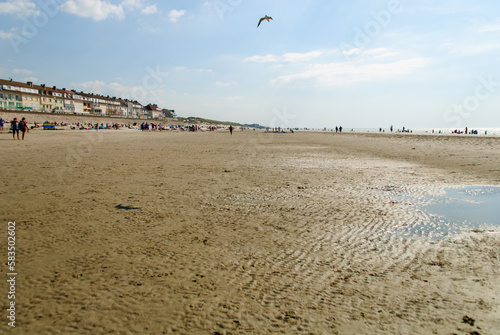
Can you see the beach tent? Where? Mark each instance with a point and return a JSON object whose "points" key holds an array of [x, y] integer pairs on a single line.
{"points": [[49, 125]]}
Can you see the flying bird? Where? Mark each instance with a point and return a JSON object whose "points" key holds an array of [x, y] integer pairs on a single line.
{"points": [[267, 18]]}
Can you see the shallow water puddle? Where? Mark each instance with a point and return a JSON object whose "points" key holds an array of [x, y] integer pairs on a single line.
{"points": [[458, 210], [479, 205]]}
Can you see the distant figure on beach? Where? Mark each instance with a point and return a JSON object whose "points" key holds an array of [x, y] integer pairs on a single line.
{"points": [[14, 126], [231, 129], [340, 129], [2, 121], [23, 127], [391, 128]]}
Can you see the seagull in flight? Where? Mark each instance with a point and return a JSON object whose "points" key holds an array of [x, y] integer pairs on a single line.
{"points": [[267, 18]]}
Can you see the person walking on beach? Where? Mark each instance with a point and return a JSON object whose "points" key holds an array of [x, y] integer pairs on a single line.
{"points": [[231, 129], [2, 121], [23, 127], [14, 126]]}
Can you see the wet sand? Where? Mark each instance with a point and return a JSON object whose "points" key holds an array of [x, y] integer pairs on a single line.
{"points": [[205, 233]]}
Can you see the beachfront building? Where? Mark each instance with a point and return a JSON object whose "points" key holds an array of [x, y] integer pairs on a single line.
{"points": [[30, 96], [138, 110], [86, 102], [132, 109], [94, 104], [98, 105], [73, 102], [169, 114], [42, 98], [46, 99], [153, 111], [58, 96], [78, 101], [125, 108], [10, 94], [113, 106]]}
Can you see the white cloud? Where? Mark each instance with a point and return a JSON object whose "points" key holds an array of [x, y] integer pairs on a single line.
{"points": [[262, 59], [291, 57], [7, 34], [175, 14], [232, 99], [90, 86], [139, 5], [149, 10], [132, 4], [185, 69], [472, 49], [379, 53], [340, 73], [489, 28], [483, 48], [227, 84], [32, 79], [19, 7], [363, 65], [139, 93], [95, 9], [301, 57], [22, 71]]}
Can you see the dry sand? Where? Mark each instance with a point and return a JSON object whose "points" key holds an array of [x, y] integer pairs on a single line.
{"points": [[205, 233]]}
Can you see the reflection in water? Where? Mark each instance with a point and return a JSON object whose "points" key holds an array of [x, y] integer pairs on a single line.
{"points": [[472, 208], [479, 205]]}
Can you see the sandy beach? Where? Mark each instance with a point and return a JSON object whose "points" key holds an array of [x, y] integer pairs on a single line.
{"points": [[129, 232]]}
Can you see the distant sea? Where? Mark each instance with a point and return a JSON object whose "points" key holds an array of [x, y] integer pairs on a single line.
{"points": [[445, 131]]}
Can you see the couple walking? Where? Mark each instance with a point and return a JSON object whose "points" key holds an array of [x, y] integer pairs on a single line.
{"points": [[17, 126]]}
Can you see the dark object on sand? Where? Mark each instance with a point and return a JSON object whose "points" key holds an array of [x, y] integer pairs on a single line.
{"points": [[468, 320], [127, 208]]}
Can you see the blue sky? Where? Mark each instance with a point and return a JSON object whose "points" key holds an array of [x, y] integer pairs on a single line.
{"points": [[413, 63]]}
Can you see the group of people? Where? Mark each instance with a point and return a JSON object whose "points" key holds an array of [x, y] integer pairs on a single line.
{"points": [[16, 127], [468, 131]]}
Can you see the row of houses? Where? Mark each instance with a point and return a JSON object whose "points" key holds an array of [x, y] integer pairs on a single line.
{"points": [[41, 98]]}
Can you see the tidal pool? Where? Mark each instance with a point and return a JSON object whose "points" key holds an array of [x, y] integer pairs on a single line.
{"points": [[458, 210], [478, 205]]}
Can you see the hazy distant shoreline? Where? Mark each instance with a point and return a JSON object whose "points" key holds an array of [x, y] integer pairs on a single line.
{"points": [[38, 117]]}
